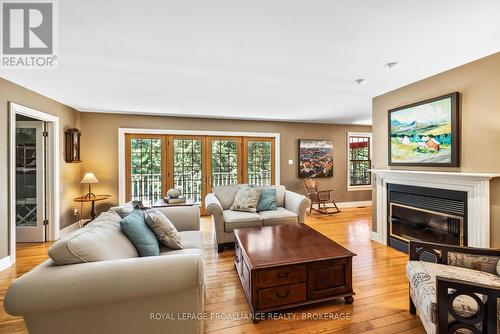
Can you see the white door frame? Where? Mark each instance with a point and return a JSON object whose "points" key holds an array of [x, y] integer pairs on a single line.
{"points": [[53, 172], [121, 148]]}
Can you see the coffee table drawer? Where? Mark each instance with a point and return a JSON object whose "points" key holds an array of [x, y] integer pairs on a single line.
{"points": [[282, 295], [281, 276]]}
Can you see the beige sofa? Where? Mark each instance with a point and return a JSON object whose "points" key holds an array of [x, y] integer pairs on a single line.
{"points": [[291, 210], [122, 295]]}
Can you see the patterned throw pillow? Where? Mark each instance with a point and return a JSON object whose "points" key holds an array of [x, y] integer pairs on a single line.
{"points": [[246, 199], [135, 228], [163, 228], [268, 200], [472, 261]]}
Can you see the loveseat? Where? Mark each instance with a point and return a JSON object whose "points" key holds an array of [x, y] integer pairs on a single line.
{"points": [[291, 209], [454, 289], [123, 293]]}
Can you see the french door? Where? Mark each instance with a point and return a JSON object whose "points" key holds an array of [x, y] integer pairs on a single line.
{"points": [[258, 161], [30, 181], [194, 164], [187, 172], [146, 168], [224, 164]]}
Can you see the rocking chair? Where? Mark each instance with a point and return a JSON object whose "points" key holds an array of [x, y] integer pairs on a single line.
{"points": [[320, 198]]}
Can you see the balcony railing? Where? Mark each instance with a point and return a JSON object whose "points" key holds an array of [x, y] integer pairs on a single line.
{"points": [[148, 187], [260, 178], [189, 184]]}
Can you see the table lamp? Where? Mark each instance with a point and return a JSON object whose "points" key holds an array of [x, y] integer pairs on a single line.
{"points": [[89, 179]]}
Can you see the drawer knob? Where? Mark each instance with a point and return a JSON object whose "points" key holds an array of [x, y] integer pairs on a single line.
{"points": [[283, 295], [283, 274]]}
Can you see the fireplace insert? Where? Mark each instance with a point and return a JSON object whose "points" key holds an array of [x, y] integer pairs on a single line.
{"points": [[425, 214]]}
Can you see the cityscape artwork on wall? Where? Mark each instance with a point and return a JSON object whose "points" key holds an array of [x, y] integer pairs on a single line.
{"points": [[315, 158]]}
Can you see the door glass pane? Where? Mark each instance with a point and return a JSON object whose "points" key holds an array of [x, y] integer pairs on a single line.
{"points": [[188, 168], [146, 167], [259, 163], [224, 162], [26, 211]]}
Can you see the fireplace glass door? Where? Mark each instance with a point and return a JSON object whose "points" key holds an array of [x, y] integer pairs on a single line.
{"points": [[410, 223]]}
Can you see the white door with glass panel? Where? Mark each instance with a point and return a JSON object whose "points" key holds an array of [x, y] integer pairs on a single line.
{"points": [[30, 181]]}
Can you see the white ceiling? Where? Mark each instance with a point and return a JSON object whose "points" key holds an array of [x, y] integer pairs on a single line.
{"points": [[256, 59]]}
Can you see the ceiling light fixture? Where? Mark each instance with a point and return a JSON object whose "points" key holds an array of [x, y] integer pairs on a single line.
{"points": [[359, 81], [391, 64]]}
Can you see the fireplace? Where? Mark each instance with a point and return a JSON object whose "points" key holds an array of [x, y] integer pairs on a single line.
{"points": [[425, 214]]}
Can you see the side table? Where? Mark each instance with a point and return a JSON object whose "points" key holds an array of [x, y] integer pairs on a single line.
{"points": [[96, 198]]}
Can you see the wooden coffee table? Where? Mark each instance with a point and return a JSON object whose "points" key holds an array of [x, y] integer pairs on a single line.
{"points": [[292, 265]]}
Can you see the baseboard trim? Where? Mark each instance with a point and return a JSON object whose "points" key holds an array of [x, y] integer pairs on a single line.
{"points": [[5, 263], [374, 236], [353, 204]]}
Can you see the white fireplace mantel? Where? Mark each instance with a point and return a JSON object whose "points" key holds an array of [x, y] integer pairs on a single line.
{"points": [[477, 186]]}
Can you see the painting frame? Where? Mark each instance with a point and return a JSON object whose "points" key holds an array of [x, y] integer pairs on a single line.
{"points": [[300, 159], [454, 131]]}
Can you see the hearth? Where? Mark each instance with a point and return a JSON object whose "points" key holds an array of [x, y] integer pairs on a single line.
{"points": [[425, 214]]}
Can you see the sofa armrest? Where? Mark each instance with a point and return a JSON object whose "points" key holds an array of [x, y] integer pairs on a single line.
{"points": [[448, 288], [212, 204], [53, 288], [214, 208], [184, 218], [297, 203]]}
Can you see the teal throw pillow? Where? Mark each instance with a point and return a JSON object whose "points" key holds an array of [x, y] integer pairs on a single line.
{"points": [[135, 228], [268, 200]]}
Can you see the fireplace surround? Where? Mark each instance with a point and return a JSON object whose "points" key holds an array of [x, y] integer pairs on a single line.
{"points": [[475, 185], [425, 214]]}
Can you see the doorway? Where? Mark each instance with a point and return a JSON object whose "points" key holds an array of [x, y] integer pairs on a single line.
{"points": [[34, 191], [31, 147]]}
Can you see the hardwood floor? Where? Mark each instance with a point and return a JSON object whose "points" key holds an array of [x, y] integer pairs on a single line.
{"points": [[380, 304], [29, 255]]}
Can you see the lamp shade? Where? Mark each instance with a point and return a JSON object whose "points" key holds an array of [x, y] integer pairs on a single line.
{"points": [[89, 178]]}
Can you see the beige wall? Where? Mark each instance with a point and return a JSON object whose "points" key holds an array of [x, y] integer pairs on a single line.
{"points": [[100, 147], [479, 84], [70, 173]]}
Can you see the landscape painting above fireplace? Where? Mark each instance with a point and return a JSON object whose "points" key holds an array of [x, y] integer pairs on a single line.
{"points": [[425, 133]]}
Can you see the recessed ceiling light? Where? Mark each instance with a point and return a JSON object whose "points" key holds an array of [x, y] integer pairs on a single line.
{"points": [[391, 64], [359, 81]]}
